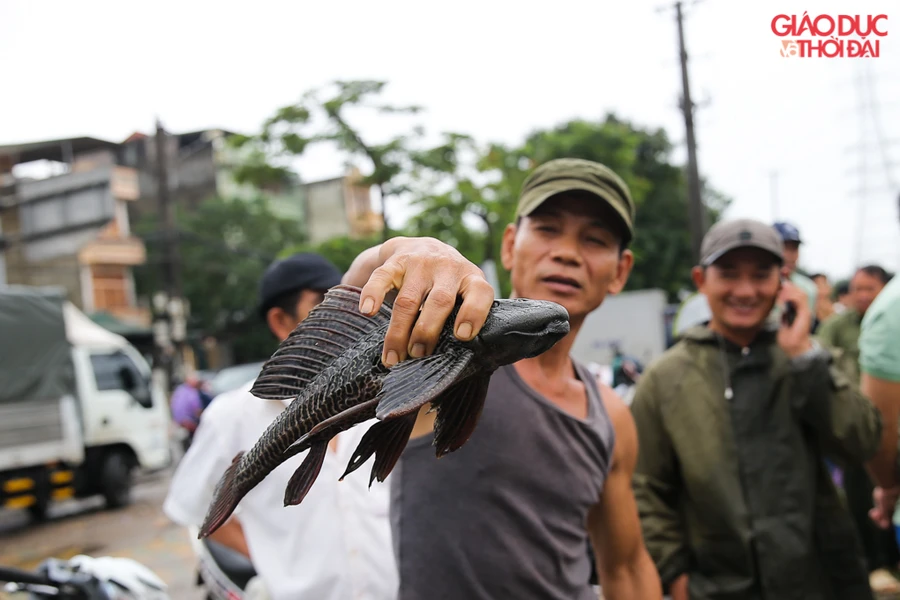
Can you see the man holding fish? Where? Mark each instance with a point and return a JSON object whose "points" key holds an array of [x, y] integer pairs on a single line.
{"points": [[536, 458], [549, 466]]}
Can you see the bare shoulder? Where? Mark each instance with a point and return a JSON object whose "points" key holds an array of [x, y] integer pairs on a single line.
{"points": [[625, 450]]}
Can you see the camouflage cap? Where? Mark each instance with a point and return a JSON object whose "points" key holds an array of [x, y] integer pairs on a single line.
{"points": [[568, 174], [726, 236]]}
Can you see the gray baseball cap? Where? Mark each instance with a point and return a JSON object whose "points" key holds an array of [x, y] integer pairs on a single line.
{"points": [[726, 236]]}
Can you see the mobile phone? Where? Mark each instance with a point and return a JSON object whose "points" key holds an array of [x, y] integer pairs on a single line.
{"points": [[790, 310], [789, 314]]}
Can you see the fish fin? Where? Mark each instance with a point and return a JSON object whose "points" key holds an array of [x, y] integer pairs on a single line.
{"points": [[386, 440], [352, 412], [225, 500], [458, 411], [415, 382], [330, 427], [305, 476], [331, 327], [389, 453]]}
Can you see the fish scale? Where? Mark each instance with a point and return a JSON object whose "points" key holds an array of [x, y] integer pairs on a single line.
{"points": [[330, 367], [318, 405]]}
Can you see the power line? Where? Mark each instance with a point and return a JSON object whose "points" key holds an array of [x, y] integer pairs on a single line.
{"points": [[877, 140], [882, 143]]}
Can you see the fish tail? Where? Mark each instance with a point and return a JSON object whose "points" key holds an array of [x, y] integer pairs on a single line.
{"points": [[224, 501]]}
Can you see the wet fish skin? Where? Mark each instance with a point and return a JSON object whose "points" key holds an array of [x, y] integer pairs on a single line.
{"points": [[331, 364], [334, 391]]}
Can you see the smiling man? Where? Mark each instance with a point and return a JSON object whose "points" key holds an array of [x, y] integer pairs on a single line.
{"points": [[734, 422], [549, 466]]}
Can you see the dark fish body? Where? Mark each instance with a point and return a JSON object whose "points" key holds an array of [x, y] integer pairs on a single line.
{"points": [[331, 366]]}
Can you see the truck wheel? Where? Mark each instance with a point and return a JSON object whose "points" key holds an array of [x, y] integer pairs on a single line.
{"points": [[115, 480], [38, 510]]}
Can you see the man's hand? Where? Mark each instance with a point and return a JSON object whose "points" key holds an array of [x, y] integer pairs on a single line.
{"points": [[231, 535], [885, 500], [429, 275], [794, 339]]}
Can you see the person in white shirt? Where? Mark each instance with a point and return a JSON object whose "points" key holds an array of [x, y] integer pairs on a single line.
{"points": [[336, 545]]}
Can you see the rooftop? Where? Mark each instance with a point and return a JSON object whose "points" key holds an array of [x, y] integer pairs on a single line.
{"points": [[63, 149], [56, 150]]}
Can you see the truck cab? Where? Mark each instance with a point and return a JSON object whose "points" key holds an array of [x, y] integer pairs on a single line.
{"points": [[85, 433]]}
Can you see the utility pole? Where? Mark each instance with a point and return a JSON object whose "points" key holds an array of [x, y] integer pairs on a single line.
{"points": [[169, 314], [696, 211]]}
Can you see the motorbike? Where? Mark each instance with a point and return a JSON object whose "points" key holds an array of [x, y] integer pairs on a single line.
{"points": [[86, 578], [224, 573]]}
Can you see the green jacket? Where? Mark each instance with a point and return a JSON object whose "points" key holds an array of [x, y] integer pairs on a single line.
{"points": [[809, 288], [841, 334], [734, 492]]}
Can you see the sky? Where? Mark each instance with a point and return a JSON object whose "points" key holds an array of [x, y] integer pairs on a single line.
{"points": [[495, 70]]}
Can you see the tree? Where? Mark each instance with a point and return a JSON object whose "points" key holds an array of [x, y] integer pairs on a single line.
{"points": [[662, 244], [340, 250], [443, 216], [225, 246], [323, 115]]}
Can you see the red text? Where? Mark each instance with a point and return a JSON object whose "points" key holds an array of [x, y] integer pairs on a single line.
{"points": [[826, 25]]}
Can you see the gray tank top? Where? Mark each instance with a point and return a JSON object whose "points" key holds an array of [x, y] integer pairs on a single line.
{"points": [[504, 517]]}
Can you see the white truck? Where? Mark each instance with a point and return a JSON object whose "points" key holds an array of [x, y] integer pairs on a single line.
{"points": [[79, 410]]}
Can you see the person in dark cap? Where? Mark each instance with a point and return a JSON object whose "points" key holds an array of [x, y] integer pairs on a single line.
{"points": [[292, 287], [790, 237], [336, 545], [734, 423], [548, 468]]}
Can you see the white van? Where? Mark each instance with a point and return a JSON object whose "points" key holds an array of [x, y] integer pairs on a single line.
{"points": [[79, 410]]}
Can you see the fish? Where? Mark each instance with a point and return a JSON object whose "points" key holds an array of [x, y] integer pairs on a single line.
{"points": [[330, 365]]}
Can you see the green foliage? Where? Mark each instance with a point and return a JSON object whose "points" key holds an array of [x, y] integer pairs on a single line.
{"points": [[340, 250], [225, 245], [640, 156], [256, 170], [323, 115]]}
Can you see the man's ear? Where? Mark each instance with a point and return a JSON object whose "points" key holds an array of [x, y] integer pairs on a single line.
{"points": [[698, 275], [507, 245], [623, 270], [275, 319]]}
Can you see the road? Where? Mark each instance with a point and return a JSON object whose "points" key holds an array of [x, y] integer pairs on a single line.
{"points": [[140, 531]]}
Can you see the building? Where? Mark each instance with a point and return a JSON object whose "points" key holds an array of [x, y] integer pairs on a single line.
{"points": [[72, 225], [72, 228], [201, 165], [339, 207]]}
